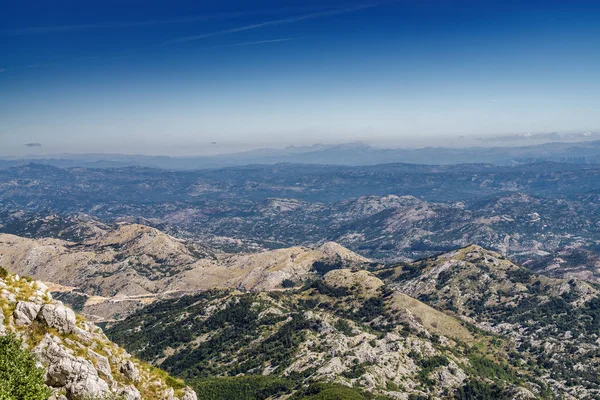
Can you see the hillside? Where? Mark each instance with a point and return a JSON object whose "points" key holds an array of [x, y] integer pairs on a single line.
{"points": [[347, 329], [79, 361], [552, 324], [121, 269]]}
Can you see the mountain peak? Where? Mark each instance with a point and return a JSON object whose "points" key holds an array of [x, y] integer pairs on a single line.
{"points": [[333, 249]]}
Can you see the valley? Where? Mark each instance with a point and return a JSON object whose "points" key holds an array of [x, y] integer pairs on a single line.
{"points": [[294, 282]]}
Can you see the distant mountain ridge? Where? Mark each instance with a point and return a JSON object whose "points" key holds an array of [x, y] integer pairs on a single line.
{"points": [[351, 154]]}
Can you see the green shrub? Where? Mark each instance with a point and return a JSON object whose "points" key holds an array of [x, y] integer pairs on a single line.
{"points": [[476, 390], [327, 391], [323, 267], [3, 273], [20, 379], [337, 394], [288, 283], [240, 387]]}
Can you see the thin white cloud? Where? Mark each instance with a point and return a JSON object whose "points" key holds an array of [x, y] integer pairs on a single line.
{"points": [[282, 21], [2, 70], [37, 30], [258, 42]]}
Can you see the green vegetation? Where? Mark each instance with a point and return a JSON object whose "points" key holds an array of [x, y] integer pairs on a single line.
{"points": [[75, 300], [323, 267], [288, 283], [428, 365], [327, 391], [478, 390], [485, 367], [337, 394], [240, 387], [20, 378]]}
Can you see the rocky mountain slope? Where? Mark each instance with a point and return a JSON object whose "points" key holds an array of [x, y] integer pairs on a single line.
{"points": [[569, 262], [116, 270], [80, 362], [551, 324], [491, 321], [347, 329]]}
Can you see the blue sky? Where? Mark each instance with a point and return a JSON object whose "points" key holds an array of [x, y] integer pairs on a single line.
{"points": [[173, 77]]}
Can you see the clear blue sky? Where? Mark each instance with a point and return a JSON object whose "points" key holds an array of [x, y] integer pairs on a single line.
{"points": [[172, 77]]}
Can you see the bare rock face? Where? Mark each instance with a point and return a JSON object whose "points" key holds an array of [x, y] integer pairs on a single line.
{"points": [[26, 312], [130, 371], [169, 394], [189, 395], [102, 366], [130, 393], [59, 317], [76, 374]]}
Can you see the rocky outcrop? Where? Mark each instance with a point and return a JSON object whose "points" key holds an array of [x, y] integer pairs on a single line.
{"points": [[102, 365], [130, 371], [189, 395], [58, 316], [79, 360], [76, 375], [26, 312]]}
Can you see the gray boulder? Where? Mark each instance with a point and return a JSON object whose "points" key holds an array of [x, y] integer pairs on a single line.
{"points": [[26, 312], [130, 393], [189, 394], [59, 317], [102, 366], [63, 370], [130, 371]]}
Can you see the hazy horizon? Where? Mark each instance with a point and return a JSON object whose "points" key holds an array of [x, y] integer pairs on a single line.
{"points": [[38, 150], [150, 78]]}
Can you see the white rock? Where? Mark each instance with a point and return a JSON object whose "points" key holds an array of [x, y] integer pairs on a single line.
{"points": [[189, 394], [169, 394], [75, 374], [102, 366], [59, 317], [41, 286], [130, 393], [26, 312]]}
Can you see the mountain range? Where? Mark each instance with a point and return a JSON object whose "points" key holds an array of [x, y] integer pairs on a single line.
{"points": [[354, 154], [294, 282], [465, 321]]}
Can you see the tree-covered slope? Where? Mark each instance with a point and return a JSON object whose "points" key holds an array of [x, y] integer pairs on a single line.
{"points": [[347, 329]]}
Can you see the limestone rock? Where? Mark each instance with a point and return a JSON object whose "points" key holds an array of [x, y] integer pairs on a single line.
{"points": [[130, 393], [169, 394], [102, 365], [76, 374], [189, 394], [130, 371], [59, 317], [26, 312]]}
